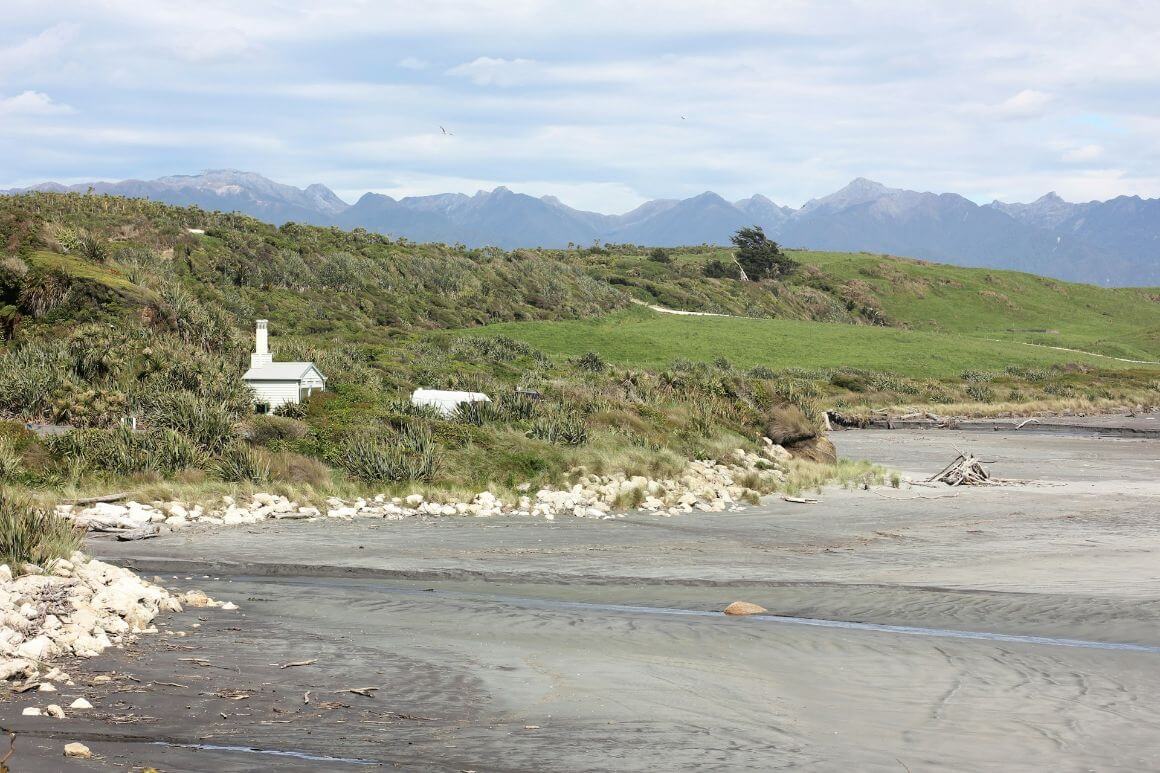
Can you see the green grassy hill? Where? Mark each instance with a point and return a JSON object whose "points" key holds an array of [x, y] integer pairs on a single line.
{"points": [[115, 307], [862, 288], [648, 339]]}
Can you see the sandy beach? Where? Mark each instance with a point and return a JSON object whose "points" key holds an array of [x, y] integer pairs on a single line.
{"points": [[1027, 637]]}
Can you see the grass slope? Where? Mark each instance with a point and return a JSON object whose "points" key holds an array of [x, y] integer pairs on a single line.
{"points": [[1122, 322], [901, 292], [647, 339]]}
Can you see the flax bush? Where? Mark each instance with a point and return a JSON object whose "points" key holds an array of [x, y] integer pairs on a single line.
{"points": [[397, 457], [33, 535], [560, 425]]}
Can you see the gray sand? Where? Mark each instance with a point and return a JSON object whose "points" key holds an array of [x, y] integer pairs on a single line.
{"points": [[517, 644]]}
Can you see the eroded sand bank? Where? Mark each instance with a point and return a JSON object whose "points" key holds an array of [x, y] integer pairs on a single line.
{"points": [[529, 645]]}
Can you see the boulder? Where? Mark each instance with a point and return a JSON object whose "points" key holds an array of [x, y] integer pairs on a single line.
{"points": [[744, 608], [77, 750], [195, 598], [54, 711], [80, 703]]}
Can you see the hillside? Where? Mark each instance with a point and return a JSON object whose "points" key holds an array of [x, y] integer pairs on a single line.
{"points": [[901, 292], [115, 308], [1113, 243]]}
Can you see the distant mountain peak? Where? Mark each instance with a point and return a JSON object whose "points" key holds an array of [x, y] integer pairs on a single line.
{"points": [[1110, 242], [860, 190]]}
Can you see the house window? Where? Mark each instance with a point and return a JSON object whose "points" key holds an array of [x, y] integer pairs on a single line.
{"points": [[262, 408]]}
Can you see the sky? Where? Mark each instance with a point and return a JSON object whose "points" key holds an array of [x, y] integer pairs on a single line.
{"points": [[603, 104]]}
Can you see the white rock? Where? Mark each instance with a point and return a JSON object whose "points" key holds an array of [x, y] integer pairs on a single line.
{"points": [[80, 703], [30, 711], [36, 649], [77, 750]]}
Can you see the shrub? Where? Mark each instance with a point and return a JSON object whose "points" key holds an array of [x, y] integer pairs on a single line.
{"points": [[291, 410], [409, 455], [590, 362], [239, 462], [788, 425], [511, 406], [983, 394], [125, 452], [11, 463], [850, 381], [265, 430], [560, 426], [208, 424], [33, 535], [716, 269], [660, 255], [475, 412], [170, 451], [295, 468], [92, 248]]}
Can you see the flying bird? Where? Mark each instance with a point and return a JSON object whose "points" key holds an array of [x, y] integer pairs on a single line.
{"points": [[449, 134]]}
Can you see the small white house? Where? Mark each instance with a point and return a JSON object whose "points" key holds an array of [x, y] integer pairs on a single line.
{"points": [[278, 383], [446, 401]]}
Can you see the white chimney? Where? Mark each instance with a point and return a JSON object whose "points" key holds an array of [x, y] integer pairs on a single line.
{"points": [[261, 356]]}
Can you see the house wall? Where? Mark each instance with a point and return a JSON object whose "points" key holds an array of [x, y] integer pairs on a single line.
{"points": [[275, 392]]}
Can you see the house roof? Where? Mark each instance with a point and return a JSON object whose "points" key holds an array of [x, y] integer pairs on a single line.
{"points": [[282, 371]]}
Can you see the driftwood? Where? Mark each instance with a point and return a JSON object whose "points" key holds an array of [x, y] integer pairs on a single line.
{"points": [[965, 470], [145, 532], [95, 500]]}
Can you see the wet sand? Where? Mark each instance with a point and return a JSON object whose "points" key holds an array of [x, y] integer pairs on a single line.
{"points": [[514, 644]]}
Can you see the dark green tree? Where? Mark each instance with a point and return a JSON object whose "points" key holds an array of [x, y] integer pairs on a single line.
{"points": [[660, 255], [718, 269], [759, 256]]}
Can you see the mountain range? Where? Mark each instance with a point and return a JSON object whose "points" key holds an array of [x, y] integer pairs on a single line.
{"points": [[1114, 242]]}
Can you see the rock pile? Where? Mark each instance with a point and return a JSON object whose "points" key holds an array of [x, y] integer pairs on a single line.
{"points": [[76, 607], [707, 485]]}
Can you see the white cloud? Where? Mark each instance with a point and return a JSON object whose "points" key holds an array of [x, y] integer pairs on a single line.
{"points": [[35, 51], [791, 100], [1028, 103], [31, 103], [487, 71], [1083, 153]]}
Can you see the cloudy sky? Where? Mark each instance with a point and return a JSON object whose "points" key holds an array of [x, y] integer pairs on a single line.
{"points": [[605, 104]]}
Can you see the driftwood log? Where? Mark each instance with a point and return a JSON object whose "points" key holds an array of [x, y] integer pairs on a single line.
{"points": [[95, 500], [965, 470]]}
